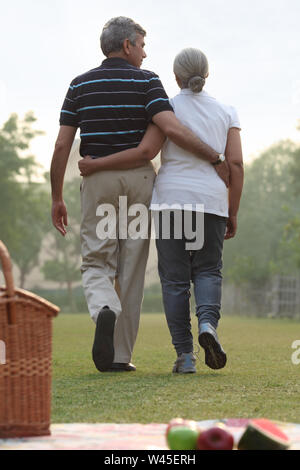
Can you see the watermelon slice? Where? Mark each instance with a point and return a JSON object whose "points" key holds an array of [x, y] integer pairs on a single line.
{"points": [[262, 434]]}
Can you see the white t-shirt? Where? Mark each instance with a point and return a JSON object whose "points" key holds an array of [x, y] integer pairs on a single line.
{"points": [[183, 179]]}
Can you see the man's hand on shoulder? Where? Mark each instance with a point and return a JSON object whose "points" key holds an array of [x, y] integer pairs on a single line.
{"points": [[59, 216], [183, 136]]}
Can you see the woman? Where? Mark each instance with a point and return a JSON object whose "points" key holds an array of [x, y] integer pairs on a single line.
{"points": [[194, 186]]}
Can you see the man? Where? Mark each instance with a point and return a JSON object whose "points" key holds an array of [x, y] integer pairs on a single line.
{"points": [[112, 105]]}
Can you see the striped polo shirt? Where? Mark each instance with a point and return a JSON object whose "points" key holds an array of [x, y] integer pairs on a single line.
{"points": [[112, 105]]}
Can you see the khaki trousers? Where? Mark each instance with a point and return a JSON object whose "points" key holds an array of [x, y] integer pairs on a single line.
{"points": [[113, 267]]}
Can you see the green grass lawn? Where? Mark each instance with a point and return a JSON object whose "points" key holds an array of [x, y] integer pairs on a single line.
{"points": [[259, 379]]}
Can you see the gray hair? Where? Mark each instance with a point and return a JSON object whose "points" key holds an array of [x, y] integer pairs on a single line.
{"points": [[191, 67], [116, 30]]}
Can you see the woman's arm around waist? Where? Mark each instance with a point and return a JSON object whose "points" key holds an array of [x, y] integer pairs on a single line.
{"points": [[132, 158]]}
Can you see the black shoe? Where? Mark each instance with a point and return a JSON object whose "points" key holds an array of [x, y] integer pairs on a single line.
{"points": [[215, 356], [185, 364], [103, 348], [121, 367]]}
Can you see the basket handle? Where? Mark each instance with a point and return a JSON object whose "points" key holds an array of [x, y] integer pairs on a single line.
{"points": [[8, 276], [7, 269]]}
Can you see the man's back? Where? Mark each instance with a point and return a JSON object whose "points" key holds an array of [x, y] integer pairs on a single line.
{"points": [[113, 104]]}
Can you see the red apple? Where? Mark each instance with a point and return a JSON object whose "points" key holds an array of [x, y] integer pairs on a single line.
{"points": [[215, 438]]}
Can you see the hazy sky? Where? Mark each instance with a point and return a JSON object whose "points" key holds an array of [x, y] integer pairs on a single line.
{"points": [[253, 48]]}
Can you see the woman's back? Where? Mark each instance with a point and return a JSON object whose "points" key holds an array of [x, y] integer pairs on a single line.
{"points": [[183, 178], [207, 117]]}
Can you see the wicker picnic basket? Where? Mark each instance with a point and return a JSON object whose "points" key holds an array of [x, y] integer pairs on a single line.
{"points": [[25, 361]]}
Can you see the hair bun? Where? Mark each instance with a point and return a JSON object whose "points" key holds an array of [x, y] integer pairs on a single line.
{"points": [[196, 83]]}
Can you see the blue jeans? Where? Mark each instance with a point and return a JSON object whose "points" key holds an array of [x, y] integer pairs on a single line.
{"points": [[178, 267]]}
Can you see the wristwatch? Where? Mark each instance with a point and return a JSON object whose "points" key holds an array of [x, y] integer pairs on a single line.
{"points": [[221, 158]]}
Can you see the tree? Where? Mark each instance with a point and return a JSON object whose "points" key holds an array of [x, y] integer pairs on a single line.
{"points": [[30, 228], [291, 236], [257, 251], [23, 204], [295, 168], [64, 265], [292, 239]]}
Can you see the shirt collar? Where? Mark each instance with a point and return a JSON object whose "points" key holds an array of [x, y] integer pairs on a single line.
{"points": [[187, 91], [115, 61]]}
